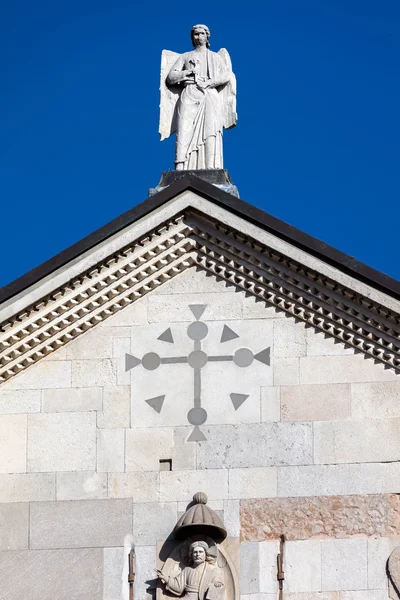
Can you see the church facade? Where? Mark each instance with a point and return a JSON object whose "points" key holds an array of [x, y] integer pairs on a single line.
{"points": [[197, 345]]}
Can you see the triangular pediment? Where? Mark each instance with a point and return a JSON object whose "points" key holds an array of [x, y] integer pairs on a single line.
{"points": [[193, 230]]}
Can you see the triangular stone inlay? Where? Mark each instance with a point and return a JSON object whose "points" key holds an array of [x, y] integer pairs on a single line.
{"points": [[156, 403], [166, 336], [264, 356], [238, 399], [196, 435], [131, 362], [228, 334], [197, 310]]}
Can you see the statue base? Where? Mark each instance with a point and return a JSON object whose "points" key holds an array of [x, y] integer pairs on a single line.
{"points": [[218, 177]]}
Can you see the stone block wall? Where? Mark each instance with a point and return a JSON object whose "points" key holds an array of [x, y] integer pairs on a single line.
{"points": [[313, 453]]}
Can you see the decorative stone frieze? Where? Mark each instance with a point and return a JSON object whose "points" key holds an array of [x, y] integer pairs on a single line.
{"points": [[318, 517], [187, 240]]}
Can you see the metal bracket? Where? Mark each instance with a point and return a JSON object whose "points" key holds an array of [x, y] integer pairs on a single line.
{"points": [[131, 574], [279, 560]]}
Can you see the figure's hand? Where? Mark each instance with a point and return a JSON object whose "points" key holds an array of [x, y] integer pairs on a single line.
{"points": [[160, 575]]}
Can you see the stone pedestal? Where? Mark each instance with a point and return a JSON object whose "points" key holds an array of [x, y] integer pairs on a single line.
{"points": [[218, 177]]}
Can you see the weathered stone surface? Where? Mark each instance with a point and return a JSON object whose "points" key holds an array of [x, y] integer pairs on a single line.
{"points": [[179, 485], [146, 561], [320, 344], [72, 400], [249, 568], [261, 445], [27, 487], [343, 369], [379, 550], [231, 517], [268, 552], [368, 440], [286, 371], [114, 563], [312, 595], [52, 575], [364, 595], [51, 374], [146, 447], [375, 400], [92, 373], [270, 404], [289, 338], [110, 450], [169, 308], [303, 566], [254, 308], [344, 564], [142, 487], [60, 354], [134, 314], [13, 432], [153, 521], [19, 401], [184, 455], [194, 281], [121, 347], [315, 402], [79, 523], [330, 516], [116, 407], [14, 526], [82, 485], [62, 442], [344, 479], [259, 596], [253, 482], [97, 343]]}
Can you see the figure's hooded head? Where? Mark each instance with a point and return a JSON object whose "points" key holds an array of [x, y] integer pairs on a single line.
{"points": [[198, 30]]}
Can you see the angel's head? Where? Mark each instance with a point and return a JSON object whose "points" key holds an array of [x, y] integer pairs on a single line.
{"points": [[199, 552], [200, 35]]}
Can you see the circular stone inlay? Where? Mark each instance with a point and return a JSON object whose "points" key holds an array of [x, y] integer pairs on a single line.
{"points": [[197, 416], [197, 331], [151, 361], [197, 359], [243, 357]]}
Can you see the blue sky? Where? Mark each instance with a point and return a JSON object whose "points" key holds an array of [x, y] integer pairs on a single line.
{"points": [[318, 138]]}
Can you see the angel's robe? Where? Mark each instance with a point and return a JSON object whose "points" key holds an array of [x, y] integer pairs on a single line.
{"points": [[199, 114], [197, 583]]}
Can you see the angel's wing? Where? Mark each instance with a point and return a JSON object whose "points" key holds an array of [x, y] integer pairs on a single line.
{"points": [[168, 95], [229, 93]]}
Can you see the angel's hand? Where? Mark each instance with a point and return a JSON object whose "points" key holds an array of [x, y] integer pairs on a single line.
{"points": [[203, 85]]}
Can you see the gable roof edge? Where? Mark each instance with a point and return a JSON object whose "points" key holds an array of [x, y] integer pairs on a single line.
{"points": [[315, 247]]}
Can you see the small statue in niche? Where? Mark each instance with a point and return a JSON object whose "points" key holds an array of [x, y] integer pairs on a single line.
{"points": [[202, 579], [197, 565]]}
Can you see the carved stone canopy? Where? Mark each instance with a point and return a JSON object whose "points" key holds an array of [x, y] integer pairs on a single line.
{"points": [[200, 518]]}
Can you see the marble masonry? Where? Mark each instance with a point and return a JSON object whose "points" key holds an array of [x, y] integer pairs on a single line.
{"points": [[198, 346]]}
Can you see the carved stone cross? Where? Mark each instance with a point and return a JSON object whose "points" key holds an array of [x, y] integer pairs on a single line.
{"points": [[197, 359]]}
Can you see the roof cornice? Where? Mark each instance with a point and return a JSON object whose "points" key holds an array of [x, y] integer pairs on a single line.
{"points": [[193, 238], [256, 216]]}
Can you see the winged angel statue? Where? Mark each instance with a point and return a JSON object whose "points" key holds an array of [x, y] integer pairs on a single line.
{"points": [[198, 100]]}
